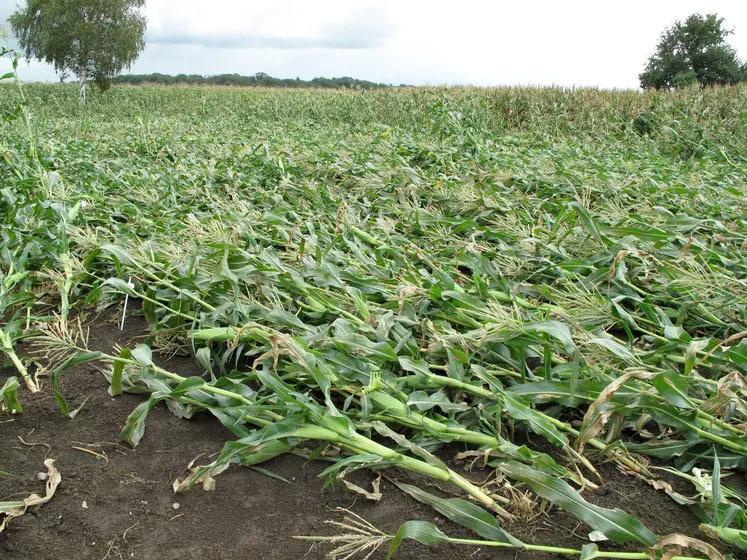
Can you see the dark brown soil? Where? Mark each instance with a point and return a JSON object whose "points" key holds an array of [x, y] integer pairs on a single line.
{"points": [[131, 511]]}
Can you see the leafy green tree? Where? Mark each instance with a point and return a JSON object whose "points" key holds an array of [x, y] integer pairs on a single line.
{"points": [[93, 39], [693, 52]]}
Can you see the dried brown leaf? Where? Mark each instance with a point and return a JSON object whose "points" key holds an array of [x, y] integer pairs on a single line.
{"points": [[375, 493], [53, 481], [677, 541], [594, 419]]}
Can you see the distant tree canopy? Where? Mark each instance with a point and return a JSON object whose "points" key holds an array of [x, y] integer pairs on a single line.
{"points": [[258, 79], [693, 52], [93, 39]]}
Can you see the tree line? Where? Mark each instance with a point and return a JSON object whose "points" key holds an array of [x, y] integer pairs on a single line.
{"points": [[258, 79]]}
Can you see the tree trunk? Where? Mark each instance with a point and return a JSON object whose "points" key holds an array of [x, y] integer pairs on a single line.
{"points": [[82, 86]]}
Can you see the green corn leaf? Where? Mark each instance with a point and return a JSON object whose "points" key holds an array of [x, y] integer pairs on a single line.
{"points": [[115, 384], [702, 453], [121, 286], [121, 254], [467, 514], [626, 317], [414, 366], [421, 531], [359, 345], [673, 388], [555, 329], [134, 426], [265, 452], [616, 525], [716, 483], [676, 333], [517, 409], [734, 537], [424, 401], [691, 354], [585, 389], [615, 348], [184, 387], [738, 354], [9, 395], [589, 551], [402, 441], [72, 361], [143, 355], [587, 219], [288, 320], [268, 473], [284, 428], [352, 462], [661, 449]]}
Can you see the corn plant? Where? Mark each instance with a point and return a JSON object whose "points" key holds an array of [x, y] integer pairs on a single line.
{"points": [[533, 276]]}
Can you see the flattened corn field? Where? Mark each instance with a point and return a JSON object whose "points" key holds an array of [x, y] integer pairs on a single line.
{"points": [[463, 323]]}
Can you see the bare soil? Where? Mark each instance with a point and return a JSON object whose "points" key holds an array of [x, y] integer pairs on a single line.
{"points": [[118, 503]]}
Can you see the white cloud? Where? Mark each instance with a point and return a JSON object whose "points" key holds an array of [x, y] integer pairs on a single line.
{"points": [[581, 42], [292, 25]]}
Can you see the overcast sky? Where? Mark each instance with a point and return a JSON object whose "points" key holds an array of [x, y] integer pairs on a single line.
{"points": [[481, 42]]}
